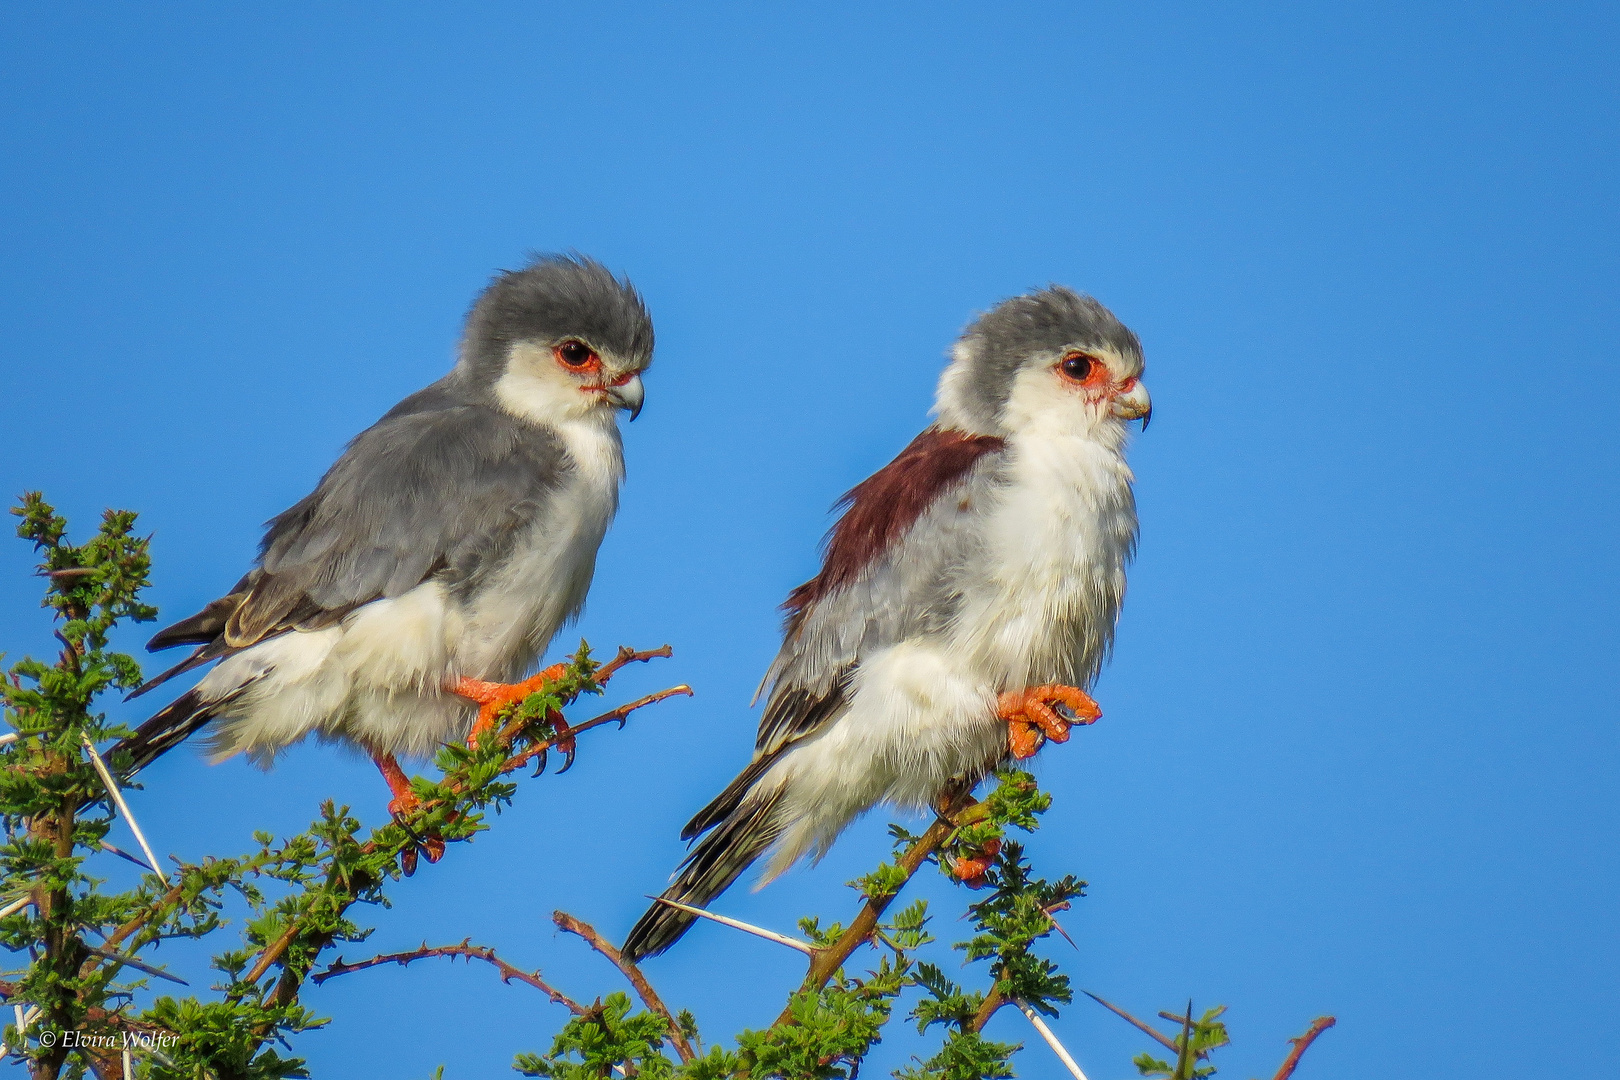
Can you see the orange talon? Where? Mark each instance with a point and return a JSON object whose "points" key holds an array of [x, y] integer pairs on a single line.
{"points": [[1031, 719], [493, 697]]}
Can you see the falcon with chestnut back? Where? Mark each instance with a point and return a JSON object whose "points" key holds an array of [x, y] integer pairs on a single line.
{"points": [[966, 601]]}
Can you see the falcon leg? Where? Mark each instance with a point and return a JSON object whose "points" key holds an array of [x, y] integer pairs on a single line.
{"points": [[405, 802], [1031, 718], [493, 697]]}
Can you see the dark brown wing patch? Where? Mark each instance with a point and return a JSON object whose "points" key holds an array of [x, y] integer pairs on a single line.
{"points": [[879, 510]]}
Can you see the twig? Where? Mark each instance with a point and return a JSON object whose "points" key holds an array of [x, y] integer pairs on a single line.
{"points": [[644, 989], [9, 737], [1051, 1039], [122, 854], [117, 957], [15, 906], [1301, 1044], [517, 761], [747, 928], [123, 807], [953, 807], [166, 900], [627, 655], [1162, 1040], [273, 952], [1183, 1065], [466, 950]]}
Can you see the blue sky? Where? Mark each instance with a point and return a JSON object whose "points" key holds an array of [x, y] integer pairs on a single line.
{"points": [[1360, 748]]}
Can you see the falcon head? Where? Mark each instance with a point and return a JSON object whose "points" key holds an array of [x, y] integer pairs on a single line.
{"points": [[562, 339], [1051, 359]]}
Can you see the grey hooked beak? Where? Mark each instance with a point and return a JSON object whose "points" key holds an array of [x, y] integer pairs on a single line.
{"points": [[1133, 404], [628, 395]]}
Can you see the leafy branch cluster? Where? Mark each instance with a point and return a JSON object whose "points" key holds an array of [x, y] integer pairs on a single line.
{"points": [[86, 955]]}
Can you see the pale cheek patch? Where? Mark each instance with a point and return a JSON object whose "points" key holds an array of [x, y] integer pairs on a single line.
{"points": [[536, 389]]}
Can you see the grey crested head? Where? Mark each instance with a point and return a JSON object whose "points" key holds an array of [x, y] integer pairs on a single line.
{"points": [[563, 324], [1052, 328]]}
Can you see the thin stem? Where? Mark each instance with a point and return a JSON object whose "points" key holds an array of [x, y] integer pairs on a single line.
{"points": [[1301, 1044], [1051, 1039], [467, 951], [1163, 1040], [736, 924], [644, 989], [123, 807]]}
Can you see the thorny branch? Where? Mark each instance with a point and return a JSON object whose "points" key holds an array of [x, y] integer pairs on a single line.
{"points": [[644, 989], [952, 807], [467, 951], [1301, 1044]]}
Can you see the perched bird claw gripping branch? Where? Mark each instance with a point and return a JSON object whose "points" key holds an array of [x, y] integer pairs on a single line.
{"points": [[398, 605], [966, 600]]}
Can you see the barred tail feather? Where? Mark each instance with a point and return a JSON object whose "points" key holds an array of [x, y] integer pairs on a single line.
{"points": [[714, 864], [167, 728]]}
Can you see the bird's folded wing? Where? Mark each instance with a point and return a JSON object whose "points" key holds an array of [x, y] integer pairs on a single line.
{"points": [[443, 491], [889, 573]]}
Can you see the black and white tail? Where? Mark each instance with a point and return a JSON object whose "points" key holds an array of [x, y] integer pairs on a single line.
{"points": [[743, 836], [166, 729]]}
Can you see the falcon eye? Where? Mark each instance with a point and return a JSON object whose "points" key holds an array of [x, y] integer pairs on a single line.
{"points": [[1077, 366], [574, 354]]}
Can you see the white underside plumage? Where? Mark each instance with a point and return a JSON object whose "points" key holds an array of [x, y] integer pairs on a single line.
{"points": [[378, 678], [1039, 607]]}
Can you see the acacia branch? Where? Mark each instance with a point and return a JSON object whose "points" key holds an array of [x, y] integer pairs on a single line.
{"points": [[627, 655], [954, 808], [1301, 1044], [644, 989], [466, 950], [517, 761]]}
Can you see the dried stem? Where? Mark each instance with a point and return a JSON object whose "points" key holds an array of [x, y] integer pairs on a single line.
{"points": [[1301, 1044], [1051, 1040], [1163, 1040], [737, 924], [123, 807], [467, 951], [627, 655], [644, 989], [952, 807]]}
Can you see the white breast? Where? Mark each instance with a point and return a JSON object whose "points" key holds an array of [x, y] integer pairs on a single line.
{"points": [[1042, 604], [544, 581]]}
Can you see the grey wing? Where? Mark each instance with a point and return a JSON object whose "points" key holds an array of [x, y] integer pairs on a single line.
{"points": [[441, 492], [910, 590]]}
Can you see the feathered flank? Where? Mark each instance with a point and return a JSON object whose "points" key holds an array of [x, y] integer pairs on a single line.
{"points": [[879, 510]]}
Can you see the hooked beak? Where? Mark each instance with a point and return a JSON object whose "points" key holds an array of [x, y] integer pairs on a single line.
{"points": [[1132, 402], [628, 395]]}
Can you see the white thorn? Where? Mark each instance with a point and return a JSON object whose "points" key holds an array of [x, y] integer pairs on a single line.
{"points": [[129, 1066], [769, 935], [22, 1024], [15, 906], [8, 738], [1051, 1039], [123, 807]]}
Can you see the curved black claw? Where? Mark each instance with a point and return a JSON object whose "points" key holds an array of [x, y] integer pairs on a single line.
{"points": [[539, 764], [569, 764]]}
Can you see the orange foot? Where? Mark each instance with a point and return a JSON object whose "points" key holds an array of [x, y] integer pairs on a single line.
{"points": [[1031, 718], [971, 871], [403, 804], [493, 697]]}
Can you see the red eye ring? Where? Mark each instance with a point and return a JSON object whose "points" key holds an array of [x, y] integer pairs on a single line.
{"points": [[576, 355], [1078, 366]]}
